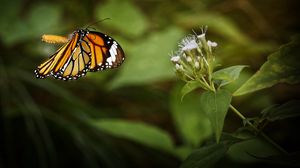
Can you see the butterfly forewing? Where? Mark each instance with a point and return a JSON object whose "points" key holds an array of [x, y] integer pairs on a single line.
{"points": [[68, 51], [46, 68]]}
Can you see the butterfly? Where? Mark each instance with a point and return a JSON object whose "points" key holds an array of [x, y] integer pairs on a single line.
{"points": [[85, 51]]}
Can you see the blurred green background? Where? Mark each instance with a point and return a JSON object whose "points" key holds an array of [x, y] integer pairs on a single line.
{"points": [[132, 116]]}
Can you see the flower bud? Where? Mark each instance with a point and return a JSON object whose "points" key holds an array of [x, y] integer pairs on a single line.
{"points": [[189, 59], [178, 67], [175, 59], [212, 44], [197, 65]]}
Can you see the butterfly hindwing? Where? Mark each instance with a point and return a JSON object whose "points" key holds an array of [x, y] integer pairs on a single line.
{"points": [[105, 51]]}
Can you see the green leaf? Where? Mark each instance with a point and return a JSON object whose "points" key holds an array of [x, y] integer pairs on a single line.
{"points": [[281, 67], [188, 87], [190, 120], [280, 112], [240, 152], [9, 15], [126, 17], [136, 131], [206, 156], [290, 160], [41, 18], [148, 61], [182, 152], [216, 104], [228, 75]]}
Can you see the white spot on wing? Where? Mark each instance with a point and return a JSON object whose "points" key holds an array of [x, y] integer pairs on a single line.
{"points": [[113, 53]]}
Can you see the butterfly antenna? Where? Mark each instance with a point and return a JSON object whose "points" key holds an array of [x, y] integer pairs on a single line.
{"points": [[96, 22]]}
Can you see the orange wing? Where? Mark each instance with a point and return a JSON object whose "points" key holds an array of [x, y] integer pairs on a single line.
{"points": [[69, 62]]}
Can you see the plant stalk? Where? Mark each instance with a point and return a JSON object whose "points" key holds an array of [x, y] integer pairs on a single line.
{"points": [[279, 148]]}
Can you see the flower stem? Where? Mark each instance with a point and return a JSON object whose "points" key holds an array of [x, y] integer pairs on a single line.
{"points": [[279, 148], [204, 84], [204, 80]]}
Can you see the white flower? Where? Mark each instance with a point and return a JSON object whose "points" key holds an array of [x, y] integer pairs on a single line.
{"points": [[175, 58], [212, 44], [197, 65], [178, 67], [188, 43], [201, 36], [189, 59]]}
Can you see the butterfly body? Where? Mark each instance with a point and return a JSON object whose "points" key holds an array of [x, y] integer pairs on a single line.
{"points": [[85, 51]]}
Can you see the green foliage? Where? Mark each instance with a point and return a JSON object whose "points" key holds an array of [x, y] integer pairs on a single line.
{"points": [[280, 112], [281, 67], [136, 131], [215, 105], [190, 120], [209, 155], [36, 19], [243, 77], [245, 150], [206, 156], [189, 87], [32, 25], [126, 17], [228, 75], [288, 160]]}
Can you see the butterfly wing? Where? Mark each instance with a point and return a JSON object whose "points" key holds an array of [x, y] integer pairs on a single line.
{"points": [[105, 51], [71, 61], [86, 51], [77, 64]]}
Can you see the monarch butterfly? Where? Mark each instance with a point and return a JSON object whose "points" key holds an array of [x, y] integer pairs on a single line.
{"points": [[85, 51]]}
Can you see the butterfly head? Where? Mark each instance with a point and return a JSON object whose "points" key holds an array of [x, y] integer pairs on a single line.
{"points": [[80, 32]]}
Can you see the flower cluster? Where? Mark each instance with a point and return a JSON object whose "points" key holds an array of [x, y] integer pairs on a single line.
{"points": [[194, 59]]}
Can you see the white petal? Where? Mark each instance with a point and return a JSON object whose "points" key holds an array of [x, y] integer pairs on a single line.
{"points": [[175, 58]]}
